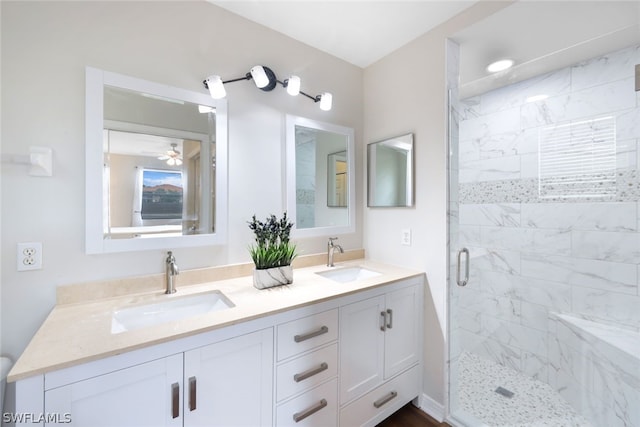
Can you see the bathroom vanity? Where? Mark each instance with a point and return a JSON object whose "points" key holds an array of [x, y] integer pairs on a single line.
{"points": [[340, 346]]}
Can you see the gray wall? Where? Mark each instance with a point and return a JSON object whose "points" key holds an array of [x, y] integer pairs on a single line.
{"points": [[45, 48], [406, 92]]}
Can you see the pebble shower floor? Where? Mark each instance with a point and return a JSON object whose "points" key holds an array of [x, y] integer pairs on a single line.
{"points": [[534, 403]]}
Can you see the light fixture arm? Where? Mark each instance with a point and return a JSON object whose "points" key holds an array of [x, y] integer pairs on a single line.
{"points": [[313, 98], [264, 76], [316, 98], [246, 77]]}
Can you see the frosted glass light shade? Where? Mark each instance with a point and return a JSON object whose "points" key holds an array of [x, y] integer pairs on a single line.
{"points": [[326, 100], [259, 76], [293, 85], [216, 88]]}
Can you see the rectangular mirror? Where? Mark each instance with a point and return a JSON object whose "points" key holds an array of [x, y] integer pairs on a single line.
{"points": [[156, 165], [320, 178], [390, 172]]}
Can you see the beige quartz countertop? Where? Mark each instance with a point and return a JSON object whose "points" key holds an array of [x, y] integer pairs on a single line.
{"points": [[77, 333]]}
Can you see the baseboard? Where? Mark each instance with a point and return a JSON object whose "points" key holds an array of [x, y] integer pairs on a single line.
{"points": [[434, 409]]}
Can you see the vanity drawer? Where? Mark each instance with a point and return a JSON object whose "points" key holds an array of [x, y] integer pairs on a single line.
{"points": [[306, 371], [381, 402], [317, 407], [307, 333]]}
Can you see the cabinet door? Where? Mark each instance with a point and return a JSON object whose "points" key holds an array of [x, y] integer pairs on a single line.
{"points": [[361, 347], [143, 395], [230, 383], [401, 337]]}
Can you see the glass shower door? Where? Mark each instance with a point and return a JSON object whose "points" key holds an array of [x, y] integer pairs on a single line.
{"points": [[544, 250]]}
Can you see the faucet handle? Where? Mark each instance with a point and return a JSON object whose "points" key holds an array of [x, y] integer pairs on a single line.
{"points": [[331, 239]]}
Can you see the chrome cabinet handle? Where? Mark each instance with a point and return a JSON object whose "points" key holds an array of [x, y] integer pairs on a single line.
{"points": [[390, 322], [192, 393], [383, 327], [459, 281], [299, 416], [175, 400], [383, 400], [311, 372], [300, 338]]}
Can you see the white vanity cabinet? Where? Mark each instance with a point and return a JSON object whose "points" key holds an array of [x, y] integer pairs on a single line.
{"points": [[307, 369], [347, 360], [380, 349], [221, 384], [139, 396], [230, 383]]}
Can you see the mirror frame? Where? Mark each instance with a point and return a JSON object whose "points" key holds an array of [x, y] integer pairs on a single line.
{"points": [[371, 174], [291, 122], [95, 242]]}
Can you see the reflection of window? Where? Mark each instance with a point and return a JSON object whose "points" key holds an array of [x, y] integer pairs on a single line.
{"points": [[578, 159], [341, 183], [337, 180], [161, 194]]}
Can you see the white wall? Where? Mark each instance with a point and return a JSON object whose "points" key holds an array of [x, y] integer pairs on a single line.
{"points": [[45, 48], [405, 92]]}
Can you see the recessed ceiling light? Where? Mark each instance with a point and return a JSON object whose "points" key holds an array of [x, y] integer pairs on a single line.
{"points": [[536, 98], [500, 65]]}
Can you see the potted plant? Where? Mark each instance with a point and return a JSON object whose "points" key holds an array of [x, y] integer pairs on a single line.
{"points": [[273, 252]]}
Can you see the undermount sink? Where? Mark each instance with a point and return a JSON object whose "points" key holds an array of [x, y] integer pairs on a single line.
{"points": [[348, 274], [171, 309]]}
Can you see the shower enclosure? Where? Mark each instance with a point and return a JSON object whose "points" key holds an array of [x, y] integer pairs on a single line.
{"points": [[544, 302]]}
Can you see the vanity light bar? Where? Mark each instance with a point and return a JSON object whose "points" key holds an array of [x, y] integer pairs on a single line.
{"points": [[265, 79]]}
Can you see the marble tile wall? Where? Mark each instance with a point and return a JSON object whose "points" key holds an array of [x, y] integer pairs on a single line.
{"points": [[596, 368], [532, 256], [306, 184]]}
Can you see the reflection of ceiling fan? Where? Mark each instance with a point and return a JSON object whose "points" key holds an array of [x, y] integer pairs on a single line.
{"points": [[172, 156]]}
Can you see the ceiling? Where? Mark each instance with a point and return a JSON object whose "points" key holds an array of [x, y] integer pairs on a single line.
{"points": [[357, 31], [539, 35]]}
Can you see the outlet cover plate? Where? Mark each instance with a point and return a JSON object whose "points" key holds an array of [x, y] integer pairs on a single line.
{"points": [[406, 237], [29, 256]]}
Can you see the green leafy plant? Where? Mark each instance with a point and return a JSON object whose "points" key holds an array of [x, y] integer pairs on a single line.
{"points": [[273, 248]]}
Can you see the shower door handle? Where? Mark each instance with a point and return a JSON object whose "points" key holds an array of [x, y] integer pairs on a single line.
{"points": [[465, 280]]}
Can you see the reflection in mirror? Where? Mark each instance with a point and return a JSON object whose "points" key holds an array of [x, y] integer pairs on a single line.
{"points": [[337, 180], [320, 181], [390, 172], [157, 177], [155, 182]]}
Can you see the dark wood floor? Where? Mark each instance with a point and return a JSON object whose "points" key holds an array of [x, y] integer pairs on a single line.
{"points": [[410, 416]]}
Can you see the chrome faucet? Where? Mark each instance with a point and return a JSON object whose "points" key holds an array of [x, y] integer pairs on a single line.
{"points": [[171, 270], [331, 248]]}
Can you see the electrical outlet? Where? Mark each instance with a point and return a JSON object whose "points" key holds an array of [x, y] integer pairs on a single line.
{"points": [[29, 256], [406, 237]]}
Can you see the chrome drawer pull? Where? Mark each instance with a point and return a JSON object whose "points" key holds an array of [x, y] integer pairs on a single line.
{"points": [[383, 327], [299, 416], [300, 338], [175, 400], [311, 372], [390, 322], [192, 393], [378, 403]]}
